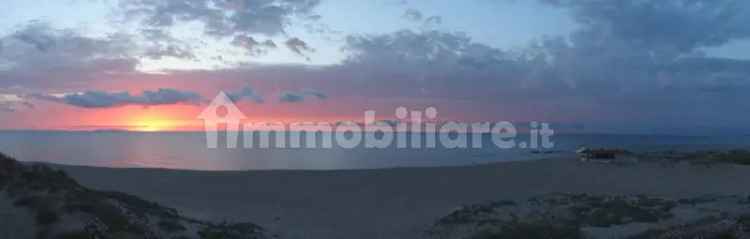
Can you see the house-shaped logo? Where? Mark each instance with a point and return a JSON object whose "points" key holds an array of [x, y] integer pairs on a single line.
{"points": [[221, 110]]}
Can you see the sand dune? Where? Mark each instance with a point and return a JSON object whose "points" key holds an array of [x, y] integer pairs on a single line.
{"points": [[395, 203]]}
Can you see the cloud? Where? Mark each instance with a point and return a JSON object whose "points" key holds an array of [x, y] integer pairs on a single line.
{"points": [[404, 50], [34, 35], [642, 47], [246, 92], [416, 16], [38, 55], [237, 20], [159, 52], [664, 27], [298, 46], [291, 97], [590, 71], [314, 93], [101, 99], [590, 75], [433, 21], [251, 46], [221, 17], [13, 103], [158, 43], [635, 60], [413, 15], [300, 96]]}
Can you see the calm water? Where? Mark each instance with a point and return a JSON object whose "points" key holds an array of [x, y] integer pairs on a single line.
{"points": [[189, 151]]}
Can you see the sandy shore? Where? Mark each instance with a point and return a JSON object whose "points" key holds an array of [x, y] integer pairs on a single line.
{"points": [[395, 203]]}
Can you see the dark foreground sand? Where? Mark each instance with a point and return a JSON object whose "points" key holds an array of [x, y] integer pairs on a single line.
{"points": [[395, 203]]}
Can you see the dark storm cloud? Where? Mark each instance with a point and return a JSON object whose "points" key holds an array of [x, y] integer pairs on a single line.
{"points": [[101, 99]]}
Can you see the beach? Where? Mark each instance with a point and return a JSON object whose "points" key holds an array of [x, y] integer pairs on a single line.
{"points": [[398, 202], [394, 119]]}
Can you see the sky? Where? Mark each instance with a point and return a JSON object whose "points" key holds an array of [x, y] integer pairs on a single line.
{"points": [[623, 66]]}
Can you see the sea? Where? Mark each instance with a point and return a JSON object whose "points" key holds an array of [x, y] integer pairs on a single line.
{"points": [[188, 150]]}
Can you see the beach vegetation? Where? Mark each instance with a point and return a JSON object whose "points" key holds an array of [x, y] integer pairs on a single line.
{"points": [[707, 158], [611, 211], [529, 230], [171, 226], [79, 234], [231, 231], [53, 198], [738, 156]]}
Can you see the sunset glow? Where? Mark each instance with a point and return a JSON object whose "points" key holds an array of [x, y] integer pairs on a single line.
{"points": [[149, 124], [163, 118], [370, 119], [309, 61]]}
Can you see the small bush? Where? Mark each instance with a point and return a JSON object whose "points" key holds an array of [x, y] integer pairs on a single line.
{"points": [[471, 213], [43, 207], [619, 211], [74, 235], [736, 156], [139, 206], [540, 230], [47, 217], [231, 231], [109, 214], [171, 226]]}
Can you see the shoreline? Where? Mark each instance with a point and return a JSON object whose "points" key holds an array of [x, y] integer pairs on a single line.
{"points": [[473, 164]]}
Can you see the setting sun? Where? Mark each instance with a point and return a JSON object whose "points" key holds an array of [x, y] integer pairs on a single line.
{"points": [[153, 125], [154, 121]]}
